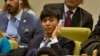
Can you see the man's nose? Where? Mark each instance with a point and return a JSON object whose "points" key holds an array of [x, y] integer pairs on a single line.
{"points": [[48, 22], [7, 2]]}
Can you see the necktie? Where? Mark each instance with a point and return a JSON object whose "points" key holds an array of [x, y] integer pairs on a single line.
{"points": [[15, 22], [46, 42], [68, 18]]}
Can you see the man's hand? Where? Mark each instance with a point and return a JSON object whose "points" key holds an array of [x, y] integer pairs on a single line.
{"points": [[56, 32], [13, 38]]}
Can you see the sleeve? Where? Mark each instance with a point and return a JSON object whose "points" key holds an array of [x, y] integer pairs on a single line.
{"points": [[31, 12], [5, 45], [96, 31], [64, 47], [38, 31], [90, 22], [87, 19]]}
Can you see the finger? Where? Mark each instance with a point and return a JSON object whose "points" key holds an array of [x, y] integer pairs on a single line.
{"points": [[56, 29], [59, 28], [94, 52]]}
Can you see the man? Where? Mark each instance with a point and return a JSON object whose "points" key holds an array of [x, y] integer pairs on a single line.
{"points": [[50, 19], [79, 17], [18, 24]]}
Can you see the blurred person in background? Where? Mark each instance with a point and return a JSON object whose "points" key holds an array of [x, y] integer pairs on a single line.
{"points": [[25, 5], [72, 15], [19, 24]]}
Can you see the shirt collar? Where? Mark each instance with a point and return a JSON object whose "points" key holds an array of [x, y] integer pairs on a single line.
{"points": [[46, 38], [18, 16], [66, 9]]}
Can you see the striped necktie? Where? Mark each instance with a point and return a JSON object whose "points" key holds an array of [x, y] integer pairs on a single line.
{"points": [[46, 42]]}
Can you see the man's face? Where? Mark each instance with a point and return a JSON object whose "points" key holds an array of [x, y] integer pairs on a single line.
{"points": [[49, 24], [12, 6], [72, 3]]}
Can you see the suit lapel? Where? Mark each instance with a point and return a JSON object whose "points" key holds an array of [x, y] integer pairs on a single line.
{"points": [[38, 42], [76, 18], [4, 21], [23, 23], [35, 43], [62, 10]]}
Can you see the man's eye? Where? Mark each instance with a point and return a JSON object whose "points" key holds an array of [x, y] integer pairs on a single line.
{"points": [[51, 20], [44, 20]]}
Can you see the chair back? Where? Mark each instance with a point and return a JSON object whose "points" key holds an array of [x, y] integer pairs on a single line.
{"points": [[76, 33]]}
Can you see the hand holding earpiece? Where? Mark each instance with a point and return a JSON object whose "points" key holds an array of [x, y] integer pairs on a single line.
{"points": [[56, 32]]}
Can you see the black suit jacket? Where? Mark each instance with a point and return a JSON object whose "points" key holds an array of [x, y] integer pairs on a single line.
{"points": [[96, 31], [81, 18], [63, 47]]}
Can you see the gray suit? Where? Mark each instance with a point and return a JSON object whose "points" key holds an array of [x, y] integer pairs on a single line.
{"points": [[29, 27], [81, 18]]}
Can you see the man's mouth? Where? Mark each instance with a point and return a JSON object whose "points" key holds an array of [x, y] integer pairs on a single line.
{"points": [[9, 7]]}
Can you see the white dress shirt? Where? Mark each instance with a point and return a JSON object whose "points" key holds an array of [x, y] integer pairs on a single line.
{"points": [[55, 40]]}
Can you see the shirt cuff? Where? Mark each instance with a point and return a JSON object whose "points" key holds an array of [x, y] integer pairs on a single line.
{"points": [[55, 40]]}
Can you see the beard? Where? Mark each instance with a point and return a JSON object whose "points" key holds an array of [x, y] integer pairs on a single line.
{"points": [[12, 10]]}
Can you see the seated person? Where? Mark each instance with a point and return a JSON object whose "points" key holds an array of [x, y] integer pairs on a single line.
{"points": [[96, 32], [4, 44], [50, 22], [78, 18], [19, 24]]}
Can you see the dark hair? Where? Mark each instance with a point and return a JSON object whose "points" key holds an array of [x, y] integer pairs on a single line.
{"points": [[48, 12], [25, 4], [46, 50]]}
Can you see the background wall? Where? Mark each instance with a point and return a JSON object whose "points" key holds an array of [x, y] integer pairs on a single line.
{"points": [[91, 6]]}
